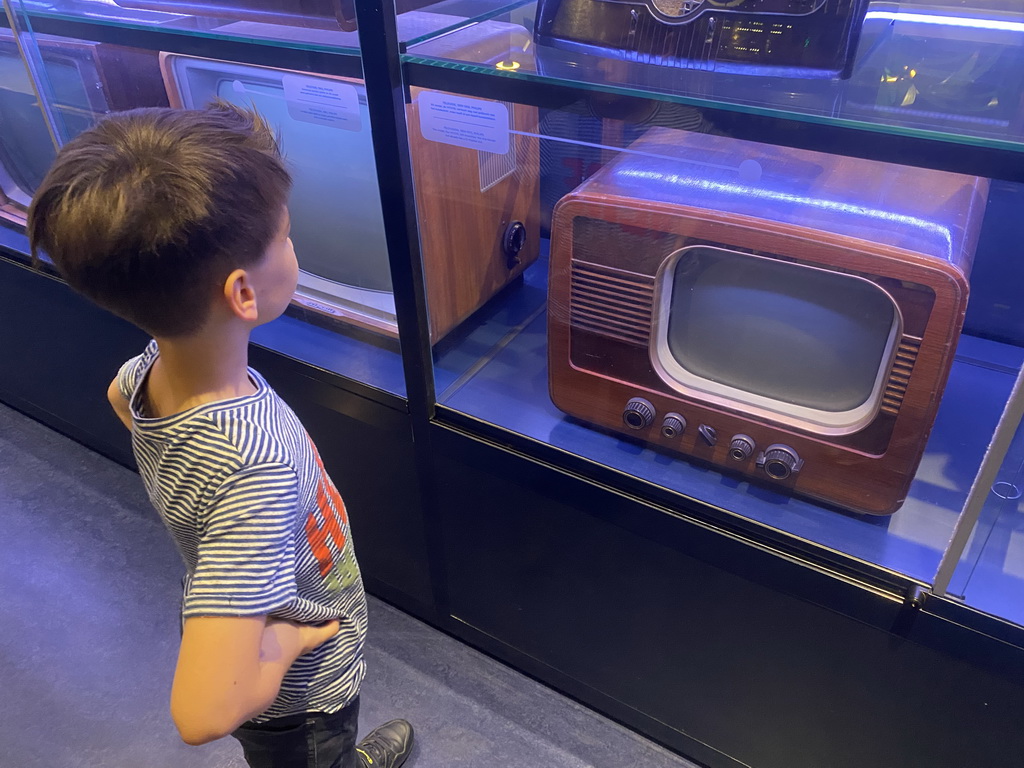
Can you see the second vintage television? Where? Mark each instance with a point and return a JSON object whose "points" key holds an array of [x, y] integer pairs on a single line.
{"points": [[337, 224], [782, 314]]}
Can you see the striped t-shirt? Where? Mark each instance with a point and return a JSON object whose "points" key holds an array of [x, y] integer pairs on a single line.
{"points": [[259, 524]]}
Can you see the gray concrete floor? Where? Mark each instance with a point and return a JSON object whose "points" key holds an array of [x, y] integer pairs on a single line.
{"points": [[89, 584]]}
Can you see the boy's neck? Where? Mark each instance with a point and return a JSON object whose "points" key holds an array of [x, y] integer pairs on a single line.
{"points": [[210, 366]]}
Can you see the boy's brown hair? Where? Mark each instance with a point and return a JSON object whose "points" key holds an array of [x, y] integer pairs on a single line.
{"points": [[149, 211]]}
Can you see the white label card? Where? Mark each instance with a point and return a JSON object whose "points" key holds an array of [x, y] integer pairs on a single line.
{"points": [[464, 122], [323, 102]]}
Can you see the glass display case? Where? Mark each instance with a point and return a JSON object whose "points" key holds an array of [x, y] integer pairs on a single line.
{"points": [[751, 259], [779, 335]]}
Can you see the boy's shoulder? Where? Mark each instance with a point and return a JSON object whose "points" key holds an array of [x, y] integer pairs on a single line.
{"points": [[134, 370], [252, 430]]}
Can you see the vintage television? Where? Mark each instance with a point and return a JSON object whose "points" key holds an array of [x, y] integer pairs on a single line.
{"points": [[469, 252], [315, 14], [781, 314], [806, 38], [83, 81]]}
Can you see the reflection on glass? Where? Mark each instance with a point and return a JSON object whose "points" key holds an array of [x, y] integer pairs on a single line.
{"points": [[79, 81], [26, 149], [324, 127], [956, 65], [317, 14]]}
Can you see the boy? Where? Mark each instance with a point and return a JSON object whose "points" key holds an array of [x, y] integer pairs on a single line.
{"points": [[176, 220]]}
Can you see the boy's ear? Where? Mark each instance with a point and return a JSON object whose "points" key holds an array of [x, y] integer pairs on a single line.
{"points": [[240, 295]]}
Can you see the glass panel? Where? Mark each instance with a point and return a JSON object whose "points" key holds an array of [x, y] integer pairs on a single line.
{"points": [[26, 146], [342, 317], [771, 331], [308, 24], [942, 67], [990, 575]]}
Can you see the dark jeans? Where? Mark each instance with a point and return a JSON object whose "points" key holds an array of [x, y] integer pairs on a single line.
{"points": [[311, 740]]}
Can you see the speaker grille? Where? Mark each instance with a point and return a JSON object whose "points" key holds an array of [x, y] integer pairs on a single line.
{"points": [[612, 303], [899, 376]]}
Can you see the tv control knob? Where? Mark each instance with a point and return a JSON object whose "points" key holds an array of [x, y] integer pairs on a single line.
{"points": [[673, 425], [639, 413], [740, 448], [709, 434], [779, 461], [512, 242]]}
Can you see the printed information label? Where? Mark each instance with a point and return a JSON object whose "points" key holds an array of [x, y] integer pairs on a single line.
{"points": [[323, 102], [464, 122]]}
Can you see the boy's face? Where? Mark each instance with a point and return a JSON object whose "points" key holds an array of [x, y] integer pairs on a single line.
{"points": [[277, 274]]}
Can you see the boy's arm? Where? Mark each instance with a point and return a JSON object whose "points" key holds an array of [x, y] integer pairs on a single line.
{"points": [[230, 670], [119, 403]]}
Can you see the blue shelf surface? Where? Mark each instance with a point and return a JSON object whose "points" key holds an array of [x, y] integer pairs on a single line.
{"points": [[376, 362], [990, 576], [498, 373]]}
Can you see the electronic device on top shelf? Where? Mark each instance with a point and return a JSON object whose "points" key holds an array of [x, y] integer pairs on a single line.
{"points": [[787, 315], [478, 211], [808, 38]]}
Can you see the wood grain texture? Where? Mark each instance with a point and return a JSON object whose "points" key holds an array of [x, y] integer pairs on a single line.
{"points": [[461, 226], [596, 368]]}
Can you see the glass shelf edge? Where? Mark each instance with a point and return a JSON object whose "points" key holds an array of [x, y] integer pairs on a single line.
{"points": [[49, 19], [414, 64]]}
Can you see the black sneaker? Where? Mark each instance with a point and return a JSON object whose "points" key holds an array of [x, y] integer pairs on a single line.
{"points": [[386, 746]]}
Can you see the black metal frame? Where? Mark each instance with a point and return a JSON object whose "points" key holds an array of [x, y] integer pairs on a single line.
{"points": [[385, 95]]}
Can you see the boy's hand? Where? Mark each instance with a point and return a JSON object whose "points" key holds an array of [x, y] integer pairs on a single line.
{"points": [[286, 639], [230, 670]]}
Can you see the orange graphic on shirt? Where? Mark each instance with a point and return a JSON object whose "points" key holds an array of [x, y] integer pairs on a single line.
{"points": [[337, 565]]}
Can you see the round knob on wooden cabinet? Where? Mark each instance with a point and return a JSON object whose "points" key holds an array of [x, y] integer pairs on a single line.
{"points": [[673, 425], [639, 413]]}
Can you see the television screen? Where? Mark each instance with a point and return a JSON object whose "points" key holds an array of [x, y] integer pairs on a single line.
{"points": [[323, 125], [802, 341]]}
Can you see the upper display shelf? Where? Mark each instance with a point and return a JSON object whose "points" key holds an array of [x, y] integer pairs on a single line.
{"points": [[951, 70], [305, 24]]}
